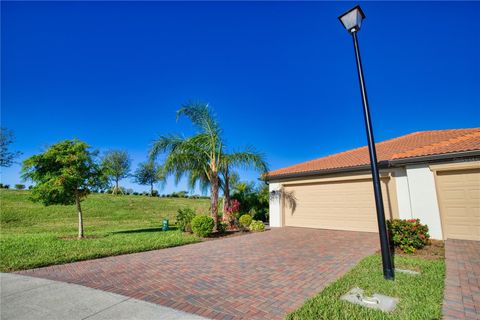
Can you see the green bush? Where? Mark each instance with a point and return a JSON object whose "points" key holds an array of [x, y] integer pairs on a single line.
{"points": [[257, 226], [222, 227], [409, 235], [202, 226], [19, 186], [245, 220], [184, 219]]}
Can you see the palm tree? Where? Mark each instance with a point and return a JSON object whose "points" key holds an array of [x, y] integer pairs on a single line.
{"points": [[198, 156], [247, 159], [201, 157]]}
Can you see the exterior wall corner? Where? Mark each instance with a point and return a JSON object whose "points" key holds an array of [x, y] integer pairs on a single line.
{"points": [[275, 208], [423, 198]]}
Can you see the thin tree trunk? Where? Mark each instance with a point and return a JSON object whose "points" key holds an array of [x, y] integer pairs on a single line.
{"points": [[227, 201], [151, 189], [80, 215], [214, 199]]}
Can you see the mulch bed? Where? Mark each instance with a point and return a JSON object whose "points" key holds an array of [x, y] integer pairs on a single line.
{"points": [[435, 250], [228, 234]]}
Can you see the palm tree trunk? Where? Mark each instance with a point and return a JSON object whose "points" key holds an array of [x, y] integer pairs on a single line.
{"points": [[151, 189], [214, 199], [228, 201], [80, 215]]}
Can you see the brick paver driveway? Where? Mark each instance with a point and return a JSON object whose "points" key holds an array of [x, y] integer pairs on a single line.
{"points": [[462, 283], [256, 276]]}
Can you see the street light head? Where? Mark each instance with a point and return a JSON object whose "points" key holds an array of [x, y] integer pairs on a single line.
{"points": [[352, 19]]}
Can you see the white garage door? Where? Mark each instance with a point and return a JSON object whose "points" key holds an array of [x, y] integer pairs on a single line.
{"points": [[346, 205], [459, 197]]}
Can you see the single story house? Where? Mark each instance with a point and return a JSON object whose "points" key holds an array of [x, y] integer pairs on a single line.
{"points": [[430, 175]]}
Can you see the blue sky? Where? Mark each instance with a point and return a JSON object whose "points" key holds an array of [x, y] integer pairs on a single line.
{"points": [[280, 75]]}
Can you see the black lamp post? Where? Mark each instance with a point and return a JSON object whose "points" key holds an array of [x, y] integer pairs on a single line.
{"points": [[352, 21]]}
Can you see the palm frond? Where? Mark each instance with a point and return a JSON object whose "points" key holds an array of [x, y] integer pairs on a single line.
{"points": [[246, 159], [166, 143], [201, 116]]}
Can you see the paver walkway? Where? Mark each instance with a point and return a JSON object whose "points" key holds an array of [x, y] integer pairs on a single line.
{"points": [[462, 282], [256, 276]]}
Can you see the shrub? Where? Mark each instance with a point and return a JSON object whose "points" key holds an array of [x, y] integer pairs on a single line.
{"points": [[19, 186], [409, 235], [222, 227], [245, 220], [257, 226], [184, 219], [202, 226]]}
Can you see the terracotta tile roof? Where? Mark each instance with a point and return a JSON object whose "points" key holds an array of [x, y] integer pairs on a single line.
{"points": [[412, 145]]}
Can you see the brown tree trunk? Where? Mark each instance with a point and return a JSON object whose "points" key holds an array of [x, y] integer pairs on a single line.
{"points": [[80, 215], [226, 190], [214, 199], [228, 217], [151, 189]]}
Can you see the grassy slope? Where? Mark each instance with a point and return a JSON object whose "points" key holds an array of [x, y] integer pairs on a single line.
{"points": [[31, 233], [420, 296]]}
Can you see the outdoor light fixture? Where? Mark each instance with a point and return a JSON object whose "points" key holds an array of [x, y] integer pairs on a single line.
{"points": [[352, 21]]}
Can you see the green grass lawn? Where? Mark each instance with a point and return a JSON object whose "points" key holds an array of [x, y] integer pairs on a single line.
{"points": [[32, 235], [420, 296]]}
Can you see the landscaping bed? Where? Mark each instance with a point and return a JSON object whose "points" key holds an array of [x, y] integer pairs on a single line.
{"points": [[434, 250], [228, 234]]}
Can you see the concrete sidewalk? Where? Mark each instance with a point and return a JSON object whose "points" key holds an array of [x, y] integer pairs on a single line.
{"points": [[33, 298]]}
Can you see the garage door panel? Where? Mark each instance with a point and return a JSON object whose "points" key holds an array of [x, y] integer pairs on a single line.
{"points": [[459, 199], [342, 205]]}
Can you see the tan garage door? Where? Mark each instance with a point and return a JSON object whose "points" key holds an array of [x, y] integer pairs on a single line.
{"points": [[459, 198], [346, 205]]}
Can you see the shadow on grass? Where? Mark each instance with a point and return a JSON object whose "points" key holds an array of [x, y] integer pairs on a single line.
{"points": [[144, 230]]}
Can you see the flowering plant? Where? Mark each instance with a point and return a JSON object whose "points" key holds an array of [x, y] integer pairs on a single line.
{"points": [[234, 206], [229, 213], [409, 235]]}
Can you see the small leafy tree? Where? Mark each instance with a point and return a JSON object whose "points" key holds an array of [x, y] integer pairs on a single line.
{"points": [[63, 174], [149, 173], [6, 156], [116, 166]]}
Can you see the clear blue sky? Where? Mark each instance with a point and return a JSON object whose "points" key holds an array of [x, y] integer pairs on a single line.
{"points": [[280, 75]]}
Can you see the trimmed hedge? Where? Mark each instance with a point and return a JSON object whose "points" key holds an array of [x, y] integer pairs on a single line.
{"points": [[245, 220], [202, 226], [257, 226]]}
